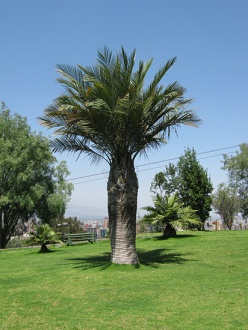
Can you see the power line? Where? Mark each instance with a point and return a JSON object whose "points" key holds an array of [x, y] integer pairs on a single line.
{"points": [[90, 180], [199, 153], [153, 168], [152, 163], [87, 176]]}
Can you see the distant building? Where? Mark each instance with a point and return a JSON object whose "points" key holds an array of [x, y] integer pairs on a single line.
{"points": [[103, 233], [100, 228], [218, 224], [91, 226], [106, 223]]}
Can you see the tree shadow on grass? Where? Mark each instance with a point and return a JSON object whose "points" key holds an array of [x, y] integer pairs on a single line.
{"points": [[47, 252], [99, 261], [50, 250], [154, 259], [178, 236], [158, 257]]}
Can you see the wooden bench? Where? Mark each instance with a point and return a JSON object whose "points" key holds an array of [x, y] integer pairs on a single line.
{"points": [[80, 237]]}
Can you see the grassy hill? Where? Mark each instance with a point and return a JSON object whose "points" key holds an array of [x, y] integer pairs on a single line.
{"points": [[195, 281]]}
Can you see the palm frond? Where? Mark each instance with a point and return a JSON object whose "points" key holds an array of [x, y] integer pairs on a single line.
{"points": [[158, 76]]}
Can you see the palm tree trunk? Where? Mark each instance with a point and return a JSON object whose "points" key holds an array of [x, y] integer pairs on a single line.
{"points": [[169, 231], [44, 248], [122, 208]]}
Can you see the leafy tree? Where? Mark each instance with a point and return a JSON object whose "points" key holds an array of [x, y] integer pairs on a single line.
{"points": [[166, 182], [106, 112], [53, 206], [169, 213], [190, 181], [237, 167], [65, 224], [43, 234], [30, 183], [195, 187], [226, 203]]}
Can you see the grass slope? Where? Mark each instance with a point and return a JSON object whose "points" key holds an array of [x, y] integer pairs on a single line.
{"points": [[195, 281]]}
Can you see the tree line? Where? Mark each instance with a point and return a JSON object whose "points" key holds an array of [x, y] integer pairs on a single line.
{"points": [[187, 186]]}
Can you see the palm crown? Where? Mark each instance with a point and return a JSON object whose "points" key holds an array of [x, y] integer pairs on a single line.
{"points": [[106, 110]]}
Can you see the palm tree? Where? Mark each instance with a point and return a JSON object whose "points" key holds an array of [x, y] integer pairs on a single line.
{"points": [[107, 113], [43, 234], [169, 213]]}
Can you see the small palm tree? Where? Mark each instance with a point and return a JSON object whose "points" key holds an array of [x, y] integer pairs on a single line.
{"points": [[107, 113], [169, 213], [43, 234]]}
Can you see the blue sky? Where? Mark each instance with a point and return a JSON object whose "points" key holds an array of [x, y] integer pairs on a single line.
{"points": [[209, 39]]}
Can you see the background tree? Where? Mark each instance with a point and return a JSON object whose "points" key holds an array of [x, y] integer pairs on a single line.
{"points": [[169, 213], [106, 112], [30, 183], [237, 167], [165, 183], [43, 235], [195, 187], [53, 206], [226, 203], [67, 224], [190, 181]]}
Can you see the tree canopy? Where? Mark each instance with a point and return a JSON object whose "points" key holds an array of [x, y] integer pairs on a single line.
{"points": [[30, 182], [237, 167], [189, 180], [226, 203]]}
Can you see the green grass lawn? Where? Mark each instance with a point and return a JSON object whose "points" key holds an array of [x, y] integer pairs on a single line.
{"points": [[198, 280]]}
